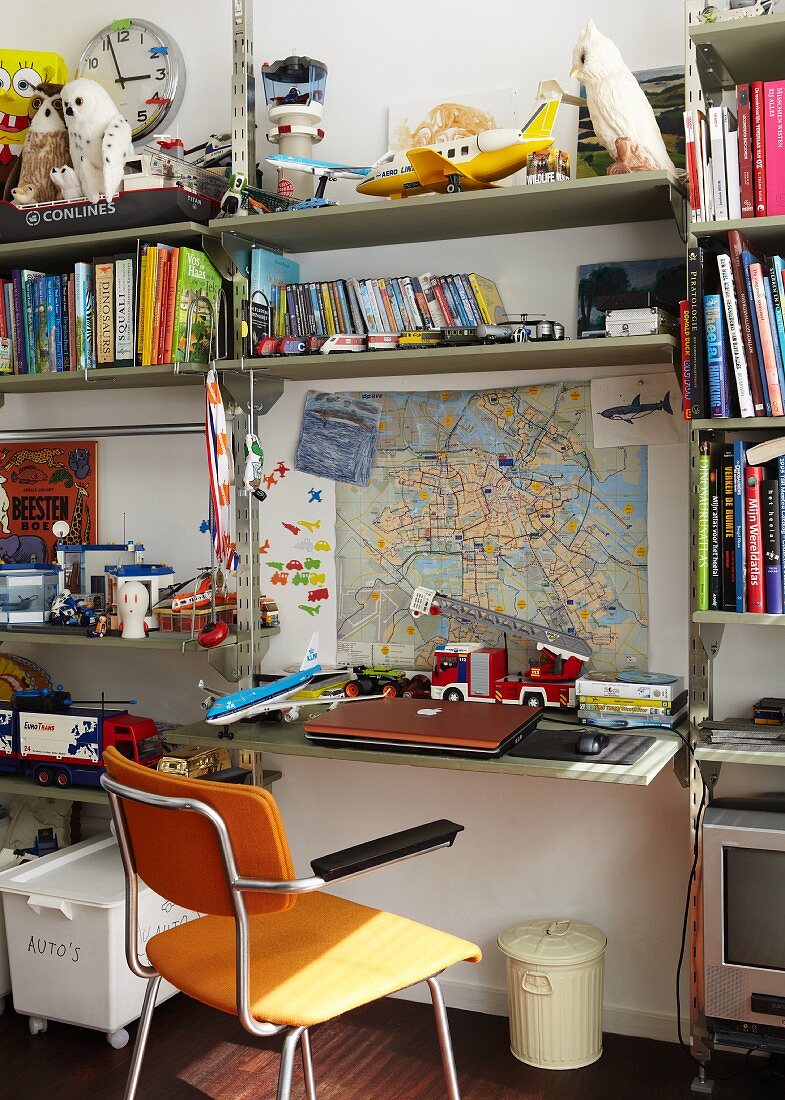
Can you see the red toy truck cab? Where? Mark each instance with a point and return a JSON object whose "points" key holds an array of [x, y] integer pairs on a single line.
{"points": [[467, 671]]}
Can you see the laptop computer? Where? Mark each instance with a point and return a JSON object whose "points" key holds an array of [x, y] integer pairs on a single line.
{"points": [[424, 725]]}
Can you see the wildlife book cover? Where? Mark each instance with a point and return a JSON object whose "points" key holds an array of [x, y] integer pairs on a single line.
{"points": [[198, 287], [41, 483], [664, 89]]}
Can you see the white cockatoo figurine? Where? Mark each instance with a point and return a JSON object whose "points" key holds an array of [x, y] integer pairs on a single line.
{"points": [[621, 114], [99, 137]]}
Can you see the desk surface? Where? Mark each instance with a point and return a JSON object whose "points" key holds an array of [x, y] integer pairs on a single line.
{"points": [[288, 739]]}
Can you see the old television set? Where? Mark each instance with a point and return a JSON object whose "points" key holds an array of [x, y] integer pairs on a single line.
{"points": [[744, 920]]}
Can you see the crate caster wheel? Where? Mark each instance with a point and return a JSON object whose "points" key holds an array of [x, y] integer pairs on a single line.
{"points": [[118, 1039], [37, 1025]]}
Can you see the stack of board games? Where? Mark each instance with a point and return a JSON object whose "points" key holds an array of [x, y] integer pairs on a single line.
{"points": [[631, 699], [765, 732]]}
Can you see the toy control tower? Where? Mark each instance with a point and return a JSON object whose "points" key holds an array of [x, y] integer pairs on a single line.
{"points": [[294, 92]]}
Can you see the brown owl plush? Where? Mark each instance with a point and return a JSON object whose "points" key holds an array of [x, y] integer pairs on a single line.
{"points": [[48, 147]]}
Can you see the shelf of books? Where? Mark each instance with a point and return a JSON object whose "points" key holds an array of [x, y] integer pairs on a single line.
{"points": [[603, 200], [569, 355], [58, 250], [740, 618], [743, 50]]}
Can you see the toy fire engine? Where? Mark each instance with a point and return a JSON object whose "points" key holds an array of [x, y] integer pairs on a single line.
{"points": [[472, 671]]}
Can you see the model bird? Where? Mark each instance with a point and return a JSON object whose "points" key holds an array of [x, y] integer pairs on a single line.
{"points": [[254, 460], [622, 116], [99, 137], [45, 147]]}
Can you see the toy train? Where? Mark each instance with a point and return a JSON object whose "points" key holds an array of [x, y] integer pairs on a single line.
{"points": [[522, 331], [45, 737]]}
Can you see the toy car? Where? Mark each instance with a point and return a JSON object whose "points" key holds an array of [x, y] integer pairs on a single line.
{"points": [[458, 335], [292, 345], [382, 341], [343, 341], [294, 566], [376, 681], [315, 594]]}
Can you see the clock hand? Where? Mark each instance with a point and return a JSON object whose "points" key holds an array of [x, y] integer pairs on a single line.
{"points": [[127, 79], [120, 79]]}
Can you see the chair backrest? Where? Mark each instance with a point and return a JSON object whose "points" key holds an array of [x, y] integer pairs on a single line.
{"points": [[177, 852]]}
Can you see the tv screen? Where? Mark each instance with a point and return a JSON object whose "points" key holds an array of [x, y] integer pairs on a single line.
{"points": [[755, 907]]}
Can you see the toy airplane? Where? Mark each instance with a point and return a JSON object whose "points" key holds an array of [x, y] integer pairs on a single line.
{"points": [[252, 701], [470, 163]]}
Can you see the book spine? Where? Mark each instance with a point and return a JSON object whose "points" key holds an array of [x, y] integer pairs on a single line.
{"points": [[467, 298], [365, 302], [442, 299], [353, 324], [717, 143], [773, 92], [715, 592], [152, 281], [73, 362], [698, 394], [64, 325], [142, 303], [421, 301], [745, 151], [716, 359], [622, 708], [40, 342], [704, 470], [756, 599], [88, 290], [781, 505], [104, 302], [435, 310], [692, 167], [57, 301], [124, 310], [737, 245], [740, 372], [772, 563], [730, 128], [157, 304], [758, 148], [8, 291], [698, 118], [766, 340], [355, 306], [166, 275], [399, 304], [373, 306], [739, 534], [708, 183], [48, 291], [392, 309], [773, 315], [728, 553], [325, 301], [459, 308], [19, 322], [28, 292]]}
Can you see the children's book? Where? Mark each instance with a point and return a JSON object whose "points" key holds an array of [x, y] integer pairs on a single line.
{"points": [[268, 269], [196, 317]]}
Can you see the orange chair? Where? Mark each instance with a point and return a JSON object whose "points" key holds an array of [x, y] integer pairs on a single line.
{"points": [[270, 949]]}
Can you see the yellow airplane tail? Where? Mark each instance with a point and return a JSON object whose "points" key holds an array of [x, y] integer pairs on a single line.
{"points": [[540, 125]]}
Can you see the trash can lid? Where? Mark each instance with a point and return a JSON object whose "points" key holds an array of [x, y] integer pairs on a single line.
{"points": [[553, 940]]}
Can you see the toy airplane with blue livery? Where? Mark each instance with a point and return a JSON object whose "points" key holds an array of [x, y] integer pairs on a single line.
{"points": [[258, 700], [461, 164]]}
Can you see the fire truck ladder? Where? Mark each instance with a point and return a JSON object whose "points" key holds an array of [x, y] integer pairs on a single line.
{"points": [[426, 601]]}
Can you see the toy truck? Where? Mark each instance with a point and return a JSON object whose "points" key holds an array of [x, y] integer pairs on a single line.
{"points": [[475, 672], [61, 745]]}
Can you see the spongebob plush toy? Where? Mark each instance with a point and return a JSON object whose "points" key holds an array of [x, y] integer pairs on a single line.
{"points": [[21, 71]]}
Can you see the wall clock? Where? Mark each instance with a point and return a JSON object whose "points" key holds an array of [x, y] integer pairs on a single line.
{"points": [[143, 70]]}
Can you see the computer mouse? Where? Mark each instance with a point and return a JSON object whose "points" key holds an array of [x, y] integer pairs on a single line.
{"points": [[590, 744]]}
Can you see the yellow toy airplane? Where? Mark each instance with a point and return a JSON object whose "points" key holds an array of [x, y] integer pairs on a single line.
{"points": [[470, 163]]}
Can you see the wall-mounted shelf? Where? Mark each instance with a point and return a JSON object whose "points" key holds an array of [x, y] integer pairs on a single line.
{"points": [[421, 362], [746, 618], [109, 377], [16, 784], [738, 51], [719, 755], [288, 739], [768, 233], [84, 246], [157, 639], [736, 424], [602, 200]]}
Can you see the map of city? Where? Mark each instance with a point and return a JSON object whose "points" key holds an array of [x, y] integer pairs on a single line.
{"points": [[496, 497]]}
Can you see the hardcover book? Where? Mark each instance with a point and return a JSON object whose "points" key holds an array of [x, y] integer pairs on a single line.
{"points": [[196, 317], [774, 124], [104, 310]]}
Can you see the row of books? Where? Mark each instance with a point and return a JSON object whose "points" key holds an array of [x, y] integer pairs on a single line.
{"points": [[390, 304], [654, 700], [119, 310], [733, 331], [741, 528], [736, 160]]}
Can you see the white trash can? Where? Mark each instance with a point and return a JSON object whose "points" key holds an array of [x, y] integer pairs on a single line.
{"points": [[554, 982], [65, 927]]}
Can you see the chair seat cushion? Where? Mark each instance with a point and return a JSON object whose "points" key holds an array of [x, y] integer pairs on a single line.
{"points": [[311, 963]]}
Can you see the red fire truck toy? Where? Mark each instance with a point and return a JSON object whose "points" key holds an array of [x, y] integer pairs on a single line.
{"points": [[475, 672]]}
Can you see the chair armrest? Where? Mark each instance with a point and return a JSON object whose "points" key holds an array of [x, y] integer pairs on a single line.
{"points": [[386, 849]]}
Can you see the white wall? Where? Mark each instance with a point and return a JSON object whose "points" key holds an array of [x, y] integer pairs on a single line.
{"points": [[617, 857]]}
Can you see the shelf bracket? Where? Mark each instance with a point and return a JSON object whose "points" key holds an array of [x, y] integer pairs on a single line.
{"points": [[266, 392], [223, 660], [711, 638], [216, 250], [677, 201], [714, 77]]}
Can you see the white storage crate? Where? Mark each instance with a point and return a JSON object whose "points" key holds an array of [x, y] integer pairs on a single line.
{"points": [[6, 860], [65, 927]]}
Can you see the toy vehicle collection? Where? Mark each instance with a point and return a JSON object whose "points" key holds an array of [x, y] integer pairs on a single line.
{"points": [[45, 737]]}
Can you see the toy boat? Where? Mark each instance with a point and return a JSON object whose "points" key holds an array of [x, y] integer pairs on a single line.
{"points": [[155, 206]]}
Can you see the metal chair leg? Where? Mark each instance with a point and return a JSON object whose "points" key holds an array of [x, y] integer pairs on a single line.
{"points": [[305, 1054], [287, 1062], [142, 1033], [445, 1043]]}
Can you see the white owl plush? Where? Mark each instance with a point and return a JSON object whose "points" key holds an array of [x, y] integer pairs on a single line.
{"points": [[622, 116], [99, 137], [67, 182]]}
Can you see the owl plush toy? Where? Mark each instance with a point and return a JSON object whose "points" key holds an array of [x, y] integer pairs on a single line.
{"points": [[99, 138], [46, 146], [621, 114]]}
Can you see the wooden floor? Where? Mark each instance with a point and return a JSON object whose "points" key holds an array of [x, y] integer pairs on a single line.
{"points": [[387, 1051]]}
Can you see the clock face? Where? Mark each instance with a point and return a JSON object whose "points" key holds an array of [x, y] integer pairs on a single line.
{"points": [[142, 69]]}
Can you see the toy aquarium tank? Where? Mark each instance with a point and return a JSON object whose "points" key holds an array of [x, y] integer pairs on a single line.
{"points": [[27, 592], [294, 90]]}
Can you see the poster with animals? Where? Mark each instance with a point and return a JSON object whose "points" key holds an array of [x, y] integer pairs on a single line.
{"points": [[41, 483]]}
